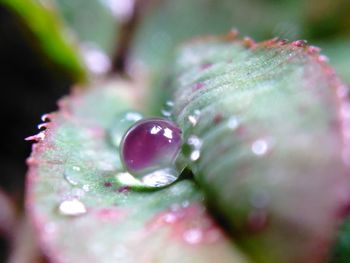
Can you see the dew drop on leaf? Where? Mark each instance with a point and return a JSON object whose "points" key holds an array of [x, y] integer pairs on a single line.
{"points": [[232, 123], [149, 145], [72, 207], [195, 144], [148, 152], [193, 118], [167, 109], [72, 174]]}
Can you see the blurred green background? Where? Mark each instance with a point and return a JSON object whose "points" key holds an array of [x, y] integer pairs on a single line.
{"points": [[48, 46]]}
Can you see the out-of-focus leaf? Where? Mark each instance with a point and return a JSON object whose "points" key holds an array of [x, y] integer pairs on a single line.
{"points": [[326, 19], [74, 168], [93, 20], [341, 252], [44, 28], [273, 161], [171, 22], [339, 57]]}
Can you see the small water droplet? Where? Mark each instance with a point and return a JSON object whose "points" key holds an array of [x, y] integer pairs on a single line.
{"points": [[86, 187], [72, 207], [121, 124], [72, 174], [232, 123], [195, 144], [167, 109], [193, 118], [193, 236], [260, 147]]}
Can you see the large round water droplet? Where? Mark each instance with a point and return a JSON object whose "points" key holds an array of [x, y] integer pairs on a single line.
{"points": [[150, 144]]}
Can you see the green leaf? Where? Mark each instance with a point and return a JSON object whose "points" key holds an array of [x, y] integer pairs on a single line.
{"points": [[47, 34], [271, 117], [341, 251], [81, 212], [79, 14]]}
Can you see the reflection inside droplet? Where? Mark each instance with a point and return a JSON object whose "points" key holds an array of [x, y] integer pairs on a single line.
{"points": [[160, 178]]}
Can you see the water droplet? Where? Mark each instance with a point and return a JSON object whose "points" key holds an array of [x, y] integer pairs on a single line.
{"points": [[149, 145], [195, 144], [193, 236], [72, 207], [260, 147], [193, 118], [167, 109], [123, 122], [72, 174], [86, 187], [232, 123]]}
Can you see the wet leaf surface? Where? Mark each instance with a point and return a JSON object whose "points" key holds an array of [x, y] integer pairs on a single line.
{"points": [[82, 214], [273, 122]]}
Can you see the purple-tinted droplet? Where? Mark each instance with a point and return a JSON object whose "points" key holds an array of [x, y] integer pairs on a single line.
{"points": [[150, 144]]}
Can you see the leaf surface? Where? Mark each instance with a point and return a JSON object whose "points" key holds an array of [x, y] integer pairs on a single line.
{"points": [[273, 120], [82, 214]]}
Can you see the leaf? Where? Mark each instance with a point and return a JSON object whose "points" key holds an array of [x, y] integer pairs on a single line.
{"points": [[78, 15], [45, 30], [341, 251], [273, 119], [74, 168]]}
